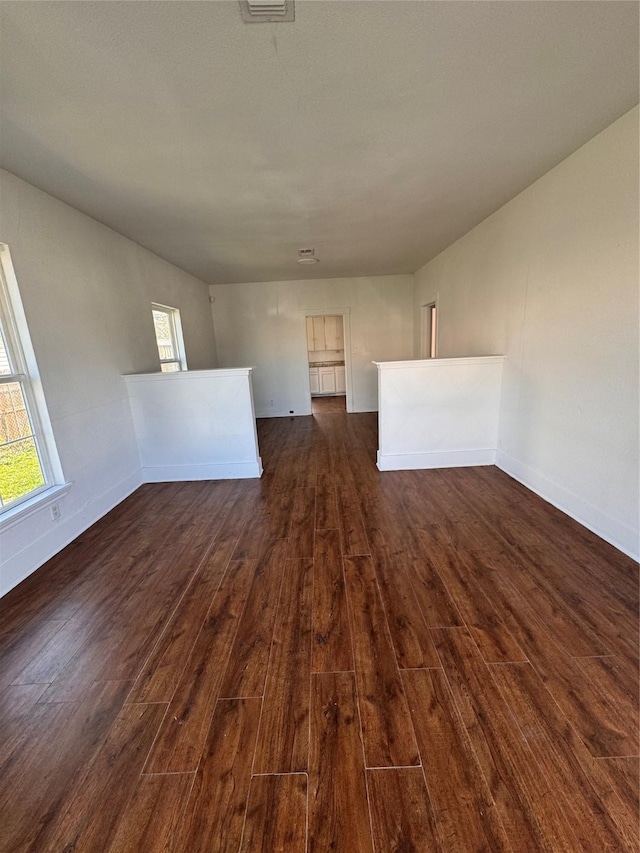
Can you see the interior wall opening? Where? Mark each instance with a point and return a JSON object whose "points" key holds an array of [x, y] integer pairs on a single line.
{"points": [[326, 360], [428, 331]]}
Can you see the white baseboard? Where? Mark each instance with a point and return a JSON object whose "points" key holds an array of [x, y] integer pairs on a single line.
{"points": [[269, 413], [61, 533], [618, 534], [213, 471], [436, 459]]}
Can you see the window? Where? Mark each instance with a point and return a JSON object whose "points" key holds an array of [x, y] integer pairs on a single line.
{"points": [[25, 455], [166, 322]]}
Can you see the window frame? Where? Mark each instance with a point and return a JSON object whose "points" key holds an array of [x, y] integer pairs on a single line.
{"points": [[177, 340], [24, 369]]}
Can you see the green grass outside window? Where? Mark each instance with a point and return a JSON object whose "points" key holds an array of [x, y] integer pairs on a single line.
{"points": [[20, 471]]}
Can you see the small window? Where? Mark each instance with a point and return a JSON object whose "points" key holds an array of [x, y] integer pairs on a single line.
{"points": [[25, 462], [168, 329]]}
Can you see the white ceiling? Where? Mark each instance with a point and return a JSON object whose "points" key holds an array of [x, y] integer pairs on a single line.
{"points": [[376, 132]]}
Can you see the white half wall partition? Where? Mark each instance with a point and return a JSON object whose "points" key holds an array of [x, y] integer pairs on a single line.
{"points": [[438, 412], [195, 425]]}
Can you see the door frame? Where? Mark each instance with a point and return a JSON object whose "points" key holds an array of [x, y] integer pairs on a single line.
{"points": [[345, 313], [429, 329]]}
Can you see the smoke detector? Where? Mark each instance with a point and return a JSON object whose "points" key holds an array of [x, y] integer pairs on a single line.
{"points": [[307, 256], [267, 11]]}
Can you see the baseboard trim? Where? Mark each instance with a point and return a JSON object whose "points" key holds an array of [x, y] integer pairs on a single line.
{"points": [[618, 534], [269, 413], [435, 459], [211, 471], [63, 532], [22, 564]]}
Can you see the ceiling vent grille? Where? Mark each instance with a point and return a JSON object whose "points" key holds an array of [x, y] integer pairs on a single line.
{"points": [[307, 256], [266, 11]]}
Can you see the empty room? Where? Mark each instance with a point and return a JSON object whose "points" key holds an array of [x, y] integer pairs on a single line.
{"points": [[319, 426]]}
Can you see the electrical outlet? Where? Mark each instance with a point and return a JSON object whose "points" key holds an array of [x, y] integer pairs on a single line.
{"points": [[54, 509]]}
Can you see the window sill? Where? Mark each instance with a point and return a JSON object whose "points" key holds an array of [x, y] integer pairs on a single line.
{"points": [[38, 502]]}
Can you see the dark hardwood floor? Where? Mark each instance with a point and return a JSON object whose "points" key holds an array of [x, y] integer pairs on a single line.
{"points": [[329, 405], [327, 659]]}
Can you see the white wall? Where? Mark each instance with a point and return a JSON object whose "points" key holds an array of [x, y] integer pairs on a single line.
{"points": [[551, 281], [87, 295], [263, 324]]}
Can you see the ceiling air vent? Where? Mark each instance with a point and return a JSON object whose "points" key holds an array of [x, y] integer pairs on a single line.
{"points": [[307, 256], [266, 11]]}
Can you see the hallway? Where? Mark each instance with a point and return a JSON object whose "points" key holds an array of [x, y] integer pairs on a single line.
{"points": [[328, 658]]}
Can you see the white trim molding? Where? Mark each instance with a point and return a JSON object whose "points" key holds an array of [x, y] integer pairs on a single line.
{"points": [[23, 510], [212, 471], [618, 534], [435, 459], [58, 534], [323, 312], [186, 375], [418, 363]]}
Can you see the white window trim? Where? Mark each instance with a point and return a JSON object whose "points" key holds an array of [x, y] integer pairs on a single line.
{"points": [[176, 334], [37, 501], [26, 366]]}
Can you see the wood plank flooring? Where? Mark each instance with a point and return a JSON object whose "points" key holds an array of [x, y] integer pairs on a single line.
{"points": [[326, 659]]}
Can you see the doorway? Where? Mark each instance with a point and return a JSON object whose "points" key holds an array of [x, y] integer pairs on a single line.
{"points": [[327, 361], [428, 330]]}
